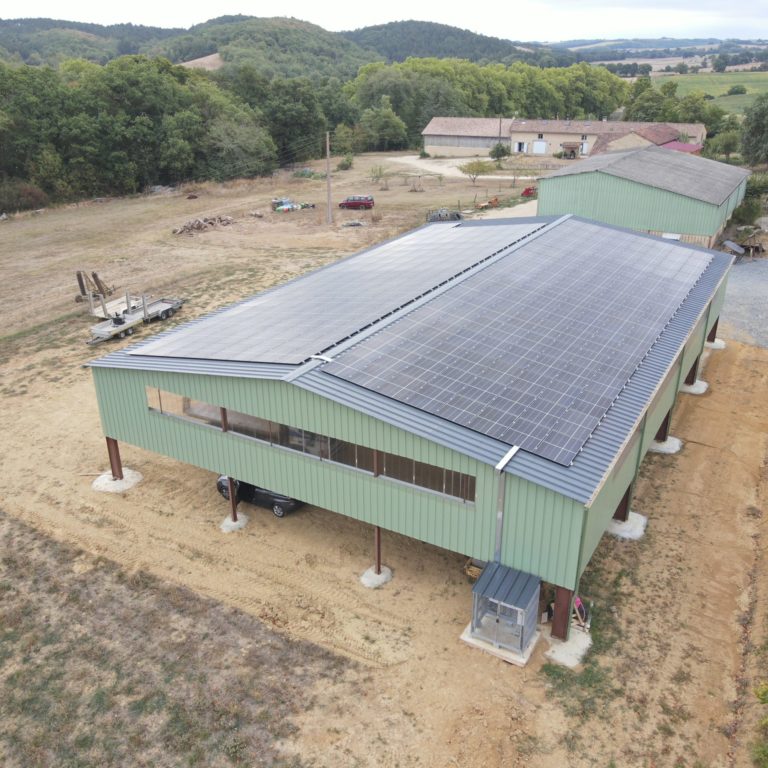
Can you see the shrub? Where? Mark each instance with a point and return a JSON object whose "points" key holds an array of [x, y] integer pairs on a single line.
{"points": [[345, 163], [17, 195], [423, 154], [737, 90], [748, 211]]}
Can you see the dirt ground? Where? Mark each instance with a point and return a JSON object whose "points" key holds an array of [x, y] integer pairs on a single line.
{"points": [[682, 631]]}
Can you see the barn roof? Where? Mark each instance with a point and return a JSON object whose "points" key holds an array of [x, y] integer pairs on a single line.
{"points": [[445, 361], [684, 174]]}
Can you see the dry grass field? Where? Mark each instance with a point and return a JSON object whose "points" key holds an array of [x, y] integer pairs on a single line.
{"points": [[133, 632]]}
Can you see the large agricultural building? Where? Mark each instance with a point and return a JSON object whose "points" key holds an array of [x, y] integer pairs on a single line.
{"points": [[468, 136], [653, 189], [487, 387]]}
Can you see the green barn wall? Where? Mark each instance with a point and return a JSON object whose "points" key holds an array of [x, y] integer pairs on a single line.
{"points": [[542, 529], [625, 203]]}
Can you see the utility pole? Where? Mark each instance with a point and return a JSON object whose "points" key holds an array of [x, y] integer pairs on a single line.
{"points": [[329, 210]]}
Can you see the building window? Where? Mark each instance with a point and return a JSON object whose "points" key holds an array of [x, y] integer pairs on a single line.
{"points": [[541, 135], [584, 137], [400, 468]]}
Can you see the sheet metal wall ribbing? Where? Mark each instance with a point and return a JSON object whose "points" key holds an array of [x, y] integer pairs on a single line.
{"points": [[624, 203], [429, 517]]}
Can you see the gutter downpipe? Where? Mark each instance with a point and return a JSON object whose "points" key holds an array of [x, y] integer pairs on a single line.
{"points": [[500, 467]]}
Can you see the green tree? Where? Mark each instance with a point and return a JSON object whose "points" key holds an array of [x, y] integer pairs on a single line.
{"points": [[475, 168], [499, 152], [754, 132], [383, 128], [725, 143], [295, 120]]}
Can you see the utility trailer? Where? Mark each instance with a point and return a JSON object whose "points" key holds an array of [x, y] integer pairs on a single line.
{"points": [[137, 311]]}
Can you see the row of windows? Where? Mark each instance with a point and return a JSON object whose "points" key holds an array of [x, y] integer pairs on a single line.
{"points": [[410, 471]]}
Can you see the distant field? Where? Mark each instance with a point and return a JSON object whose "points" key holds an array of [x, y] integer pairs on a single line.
{"points": [[717, 84]]}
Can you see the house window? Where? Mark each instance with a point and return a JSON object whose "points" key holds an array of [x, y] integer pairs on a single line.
{"points": [[541, 135], [584, 137]]}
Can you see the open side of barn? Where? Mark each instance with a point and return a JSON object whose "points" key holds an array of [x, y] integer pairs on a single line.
{"points": [[452, 385]]}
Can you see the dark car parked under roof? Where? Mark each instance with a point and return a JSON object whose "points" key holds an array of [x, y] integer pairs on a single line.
{"points": [[278, 503]]}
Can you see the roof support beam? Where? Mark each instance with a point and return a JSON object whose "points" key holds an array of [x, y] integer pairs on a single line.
{"points": [[508, 456]]}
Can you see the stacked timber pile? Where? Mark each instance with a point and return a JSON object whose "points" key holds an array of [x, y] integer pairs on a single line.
{"points": [[201, 225]]}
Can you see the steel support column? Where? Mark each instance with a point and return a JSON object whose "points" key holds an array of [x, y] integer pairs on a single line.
{"points": [[377, 548], [663, 432], [232, 498], [713, 333], [622, 508], [113, 449], [690, 379], [561, 618]]}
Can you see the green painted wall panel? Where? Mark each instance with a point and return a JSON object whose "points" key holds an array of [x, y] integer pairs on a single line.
{"points": [[624, 203], [437, 519]]}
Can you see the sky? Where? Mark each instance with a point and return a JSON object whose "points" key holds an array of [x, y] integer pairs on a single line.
{"points": [[524, 20]]}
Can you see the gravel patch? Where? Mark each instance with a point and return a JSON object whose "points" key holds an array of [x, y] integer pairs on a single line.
{"points": [[745, 314]]}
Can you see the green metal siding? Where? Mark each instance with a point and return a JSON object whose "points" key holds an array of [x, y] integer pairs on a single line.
{"points": [[624, 203], [542, 532], [542, 529]]}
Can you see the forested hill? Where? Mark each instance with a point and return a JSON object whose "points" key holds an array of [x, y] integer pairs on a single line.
{"points": [[276, 47], [400, 40], [49, 41]]}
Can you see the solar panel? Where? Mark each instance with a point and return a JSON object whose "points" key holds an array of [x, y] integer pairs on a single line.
{"points": [[533, 349], [311, 314]]}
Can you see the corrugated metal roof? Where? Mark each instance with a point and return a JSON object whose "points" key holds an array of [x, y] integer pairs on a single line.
{"points": [[506, 585], [684, 174]]}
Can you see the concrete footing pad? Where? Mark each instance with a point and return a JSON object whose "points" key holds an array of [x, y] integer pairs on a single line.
{"points": [[670, 445], [568, 653], [108, 484], [699, 388], [374, 580], [519, 660], [228, 525], [633, 528], [716, 344]]}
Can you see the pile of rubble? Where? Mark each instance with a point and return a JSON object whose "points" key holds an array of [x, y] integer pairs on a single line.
{"points": [[200, 225]]}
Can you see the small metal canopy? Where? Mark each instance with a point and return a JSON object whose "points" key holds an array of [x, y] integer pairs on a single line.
{"points": [[505, 607]]}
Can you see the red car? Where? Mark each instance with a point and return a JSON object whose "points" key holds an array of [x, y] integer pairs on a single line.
{"points": [[357, 201]]}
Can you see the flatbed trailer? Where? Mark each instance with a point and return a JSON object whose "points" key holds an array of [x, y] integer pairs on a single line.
{"points": [[124, 323]]}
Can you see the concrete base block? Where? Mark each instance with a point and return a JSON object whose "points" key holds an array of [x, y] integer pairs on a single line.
{"points": [[519, 660], [633, 528], [716, 344], [374, 580], [107, 484], [699, 388], [670, 445], [569, 653], [228, 525]]}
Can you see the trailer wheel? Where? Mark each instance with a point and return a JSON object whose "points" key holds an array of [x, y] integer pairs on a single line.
{"points": [[163, 315], [170, 312], [129, 331], [121, 335]]}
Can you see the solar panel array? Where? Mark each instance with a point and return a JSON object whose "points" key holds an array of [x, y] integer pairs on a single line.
{"points": [[311, 314], [533, 349]]}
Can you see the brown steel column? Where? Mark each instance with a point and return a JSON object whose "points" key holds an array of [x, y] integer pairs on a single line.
{"points": [[377, 547], [232, 498], [224, 420], [113, 449], [663, 432], [690, 379], [713, 333], [622, 509], [561, 618]]}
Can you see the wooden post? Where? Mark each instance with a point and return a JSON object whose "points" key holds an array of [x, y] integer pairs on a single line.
{"points": [[377, 547], [113, 449], [690, 379], [622, 509], [561, 618], [713, 333], [663, 432], [232, 498]]}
